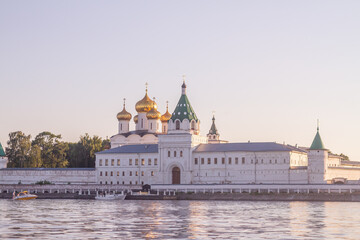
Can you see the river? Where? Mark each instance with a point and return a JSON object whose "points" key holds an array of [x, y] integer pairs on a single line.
{"points": [[91, 219]]}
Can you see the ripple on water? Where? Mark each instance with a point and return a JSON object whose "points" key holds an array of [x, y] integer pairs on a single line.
{"points": [[88, 219]]}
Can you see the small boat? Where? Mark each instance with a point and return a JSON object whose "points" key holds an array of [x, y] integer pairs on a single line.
{"points": [[110, 197], [24, 196]]}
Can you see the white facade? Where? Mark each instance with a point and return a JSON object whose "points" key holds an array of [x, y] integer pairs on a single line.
{"points": [[182, 156]]}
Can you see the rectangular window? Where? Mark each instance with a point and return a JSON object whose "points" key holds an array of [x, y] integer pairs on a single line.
{"points": [[275, 160], [196, 161], [223, 160], [209, 160], [229, 160], [136, 173], [155, 161], [130, 173], [118, 173], [149, 161], [142, 162], [106, 162], [118, 162], [152, 173], [243, 160], [215, 160], [105, 173], [100, 162], [236, 160], [123, 173], [100, 173], [112, 162], [202, 160], [136, 162], [111, 173], [130, 162], [142, 173]]}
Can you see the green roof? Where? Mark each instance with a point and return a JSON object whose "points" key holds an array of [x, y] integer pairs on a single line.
{"points": [[2, 153], [317, 144], [184, 110], [213, 129]]}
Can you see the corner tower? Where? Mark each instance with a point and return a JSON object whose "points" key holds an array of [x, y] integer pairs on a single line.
{"points": [[317, 160], [184, 118], [3, 158]]}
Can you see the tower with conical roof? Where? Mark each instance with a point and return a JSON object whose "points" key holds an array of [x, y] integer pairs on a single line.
{"points": [[213, 135], [317, 160], [184, 119], [3, 158], [176, 147]]}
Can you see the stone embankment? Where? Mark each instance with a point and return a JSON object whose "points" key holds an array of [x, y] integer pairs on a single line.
{"points": [[194, 192]]}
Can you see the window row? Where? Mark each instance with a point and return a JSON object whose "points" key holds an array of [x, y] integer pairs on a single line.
{"points": [[175, 154], [236, 161], [123, 182], [112, 162], [130, 173]]}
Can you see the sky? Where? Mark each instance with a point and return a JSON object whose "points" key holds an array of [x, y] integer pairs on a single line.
{"points": [[268, 69]]}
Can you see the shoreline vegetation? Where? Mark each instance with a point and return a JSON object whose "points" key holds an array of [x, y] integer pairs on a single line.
{"points": [[47, 150]]}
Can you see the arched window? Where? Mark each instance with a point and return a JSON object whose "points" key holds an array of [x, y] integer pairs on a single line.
{"points": [[164, 129], [142, 123], [181, 153], [177, 123], [174, 153], [151, 126], [121, 126], [192, 125], [168, 153]]}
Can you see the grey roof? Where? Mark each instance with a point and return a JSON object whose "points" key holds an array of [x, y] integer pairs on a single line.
{"points": [[50, 169], [139, 148], [247, 147]]}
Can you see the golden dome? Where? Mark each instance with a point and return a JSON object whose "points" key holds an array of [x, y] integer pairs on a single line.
{"points": [[166, 116], [153, 114], [145, 104], [124, 115], [136, 118]]}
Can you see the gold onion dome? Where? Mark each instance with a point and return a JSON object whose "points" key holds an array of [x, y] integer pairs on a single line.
{"points": [[145, 104], [136, 118], [124, 115], [166, 116], [153, 113]]}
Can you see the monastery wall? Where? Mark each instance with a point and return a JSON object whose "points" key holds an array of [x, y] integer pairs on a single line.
{"points": [[349, 173], [53, 175]]}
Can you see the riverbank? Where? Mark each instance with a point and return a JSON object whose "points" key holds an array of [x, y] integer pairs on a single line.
{"points": [[325, 192], [332, 197]]}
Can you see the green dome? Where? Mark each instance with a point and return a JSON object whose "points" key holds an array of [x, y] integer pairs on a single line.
{"points": [[2, 153], [317, 144]]}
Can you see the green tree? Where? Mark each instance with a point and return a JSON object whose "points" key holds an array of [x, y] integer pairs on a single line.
{"points": [[17, 151], [53, 151]]}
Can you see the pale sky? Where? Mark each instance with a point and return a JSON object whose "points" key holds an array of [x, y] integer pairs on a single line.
{"points": [[269, 69]]}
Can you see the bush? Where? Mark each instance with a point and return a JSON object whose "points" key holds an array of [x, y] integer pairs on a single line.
{"points": [[44, 182]]}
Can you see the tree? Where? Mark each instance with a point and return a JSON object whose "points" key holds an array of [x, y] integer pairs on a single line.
{"points": [[53, 151], [18, 149]]}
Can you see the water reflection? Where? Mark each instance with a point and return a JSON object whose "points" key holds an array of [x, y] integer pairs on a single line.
{"points": [[85, 219]]}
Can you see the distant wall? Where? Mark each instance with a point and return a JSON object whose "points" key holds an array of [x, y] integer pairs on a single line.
{"points": [[53, 175]]}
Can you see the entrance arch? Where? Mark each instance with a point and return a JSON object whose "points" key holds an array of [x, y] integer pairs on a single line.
{"points": [[176, 175]]}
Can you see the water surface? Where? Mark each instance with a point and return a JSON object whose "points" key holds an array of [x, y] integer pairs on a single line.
{"points": [[90, 219]]}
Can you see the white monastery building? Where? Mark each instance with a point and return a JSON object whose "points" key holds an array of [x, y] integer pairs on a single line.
{"points": [[168, 149]]}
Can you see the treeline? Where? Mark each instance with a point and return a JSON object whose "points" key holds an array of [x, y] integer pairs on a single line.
{"points": [[47, 150]]}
